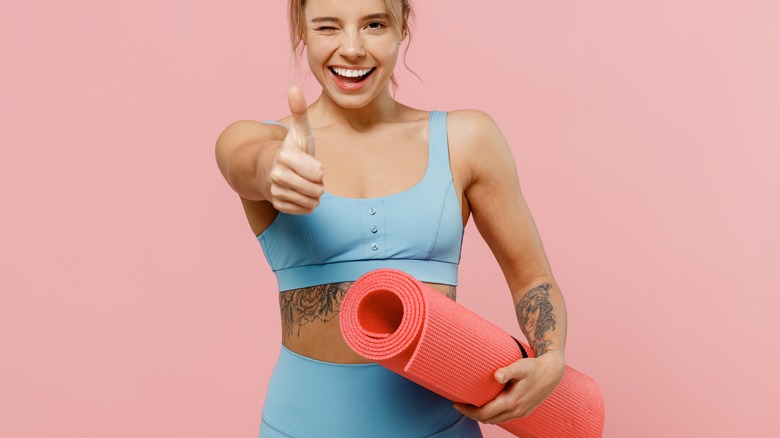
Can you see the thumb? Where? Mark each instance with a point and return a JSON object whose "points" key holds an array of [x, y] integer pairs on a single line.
{"points": [[301, 129], [516, 370]]}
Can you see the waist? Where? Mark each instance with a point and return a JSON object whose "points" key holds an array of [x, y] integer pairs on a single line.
{"points": [[310, 321]]}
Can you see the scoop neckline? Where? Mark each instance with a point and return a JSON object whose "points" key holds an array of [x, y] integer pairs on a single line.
{"points": [[405, 191]]}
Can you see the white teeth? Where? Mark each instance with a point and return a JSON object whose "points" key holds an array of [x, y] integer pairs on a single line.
{"points": [[348, 73]]}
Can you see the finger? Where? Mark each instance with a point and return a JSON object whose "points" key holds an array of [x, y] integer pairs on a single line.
{"points": [[491, 409], [300, 128], [298, 110], [301, 164], [504, 407], [285, 195], [514, 371], [521, 407], [511, 405], [507, 416], [288, 180], [290, 208]]}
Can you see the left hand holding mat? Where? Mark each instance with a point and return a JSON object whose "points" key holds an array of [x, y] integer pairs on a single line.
{"points": [[530, 381]]}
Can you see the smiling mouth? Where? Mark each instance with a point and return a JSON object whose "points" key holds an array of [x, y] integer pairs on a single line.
{"points": [[352, 75]]}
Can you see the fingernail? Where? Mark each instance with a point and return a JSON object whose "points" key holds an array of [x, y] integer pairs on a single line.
{"points": [[500, 377]]}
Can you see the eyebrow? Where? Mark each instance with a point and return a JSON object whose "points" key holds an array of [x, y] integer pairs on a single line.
{"points": [[378, 16]]}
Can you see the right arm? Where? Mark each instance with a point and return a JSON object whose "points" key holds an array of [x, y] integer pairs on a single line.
{"points": [[244, 152], [261, 162]]}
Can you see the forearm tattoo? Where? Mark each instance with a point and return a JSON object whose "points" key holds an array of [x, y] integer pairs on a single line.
{"points": [[302, 306], [535, 314]]}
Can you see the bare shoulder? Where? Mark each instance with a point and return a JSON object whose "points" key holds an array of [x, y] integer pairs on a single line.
{"points": [[476, 141], [474, 124], [470, 123], [243, 132], [475, 131]]}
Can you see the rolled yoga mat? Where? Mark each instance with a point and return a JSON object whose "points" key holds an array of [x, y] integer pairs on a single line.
{"points": [[390, 317]]}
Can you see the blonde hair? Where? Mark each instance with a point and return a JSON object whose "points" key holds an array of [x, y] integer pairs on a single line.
{"points": [[399, 17]]}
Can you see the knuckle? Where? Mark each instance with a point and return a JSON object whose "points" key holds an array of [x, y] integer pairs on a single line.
{"points": [[279, 205], [286, 154], [276, 193], [277, 175], [522, 412], [308, 203]]}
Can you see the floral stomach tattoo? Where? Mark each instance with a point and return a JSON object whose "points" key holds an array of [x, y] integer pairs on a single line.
{"points": [[317, 303]]}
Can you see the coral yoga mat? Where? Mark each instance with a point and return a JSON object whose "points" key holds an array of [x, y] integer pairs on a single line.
{"points": [[395, 320]]}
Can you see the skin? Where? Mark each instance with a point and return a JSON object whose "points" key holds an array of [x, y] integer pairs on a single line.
{"points": [[365, 144]]}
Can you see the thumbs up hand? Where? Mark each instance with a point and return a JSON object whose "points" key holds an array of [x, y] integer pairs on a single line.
{"points": [[300, 135], [296, 176]]}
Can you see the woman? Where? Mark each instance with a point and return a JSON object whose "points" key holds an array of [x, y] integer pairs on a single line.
{"points": [[387, 186]]}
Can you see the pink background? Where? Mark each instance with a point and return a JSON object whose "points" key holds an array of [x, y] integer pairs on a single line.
{"points": [[136, 302]]}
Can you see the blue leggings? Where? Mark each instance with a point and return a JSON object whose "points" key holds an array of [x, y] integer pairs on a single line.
{"points": [[310, 398]]}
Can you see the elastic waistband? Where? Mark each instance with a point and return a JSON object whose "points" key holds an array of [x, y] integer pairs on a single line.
{"points": [[431, 271]]}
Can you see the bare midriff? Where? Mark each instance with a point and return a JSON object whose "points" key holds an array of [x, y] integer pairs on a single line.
{"points": [[310, 321]]}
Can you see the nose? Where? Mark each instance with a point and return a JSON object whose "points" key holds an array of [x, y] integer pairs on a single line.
{"points": [[352, 45]]}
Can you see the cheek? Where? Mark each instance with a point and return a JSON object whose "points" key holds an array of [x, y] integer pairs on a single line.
{"points": [[310, 59], [319, 48], [390, 54], [312, 52]]}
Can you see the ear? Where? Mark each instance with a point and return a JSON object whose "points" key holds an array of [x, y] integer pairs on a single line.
{"points": [[404, 34]]}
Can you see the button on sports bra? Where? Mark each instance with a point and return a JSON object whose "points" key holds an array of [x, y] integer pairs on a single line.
{"points": [[419, 230]]}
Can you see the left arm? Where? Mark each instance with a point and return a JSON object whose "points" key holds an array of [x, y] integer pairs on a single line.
{"points": [[502, 217]]}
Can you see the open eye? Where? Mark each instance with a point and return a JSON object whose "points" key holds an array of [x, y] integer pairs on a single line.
{"points": [[375, 25]]}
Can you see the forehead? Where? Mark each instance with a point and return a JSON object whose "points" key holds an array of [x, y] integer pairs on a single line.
{"points": [[344, 9]]}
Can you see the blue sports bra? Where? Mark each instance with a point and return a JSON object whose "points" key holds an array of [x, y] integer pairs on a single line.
{"points": [[419, 230]]}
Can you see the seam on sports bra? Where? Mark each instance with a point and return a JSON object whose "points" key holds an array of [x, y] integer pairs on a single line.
{"points": [[438, 225], [264, 247], [311, 239], [277, 428]]}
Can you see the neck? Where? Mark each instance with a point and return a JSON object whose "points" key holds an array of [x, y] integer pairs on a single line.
{"points": [[381, 109]]}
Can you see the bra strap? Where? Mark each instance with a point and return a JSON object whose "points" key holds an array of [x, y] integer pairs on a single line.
{"points": [[439, 154], [271, 122]]}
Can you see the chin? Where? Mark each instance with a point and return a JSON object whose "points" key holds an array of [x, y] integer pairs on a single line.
{"points": [[351, 101]]}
